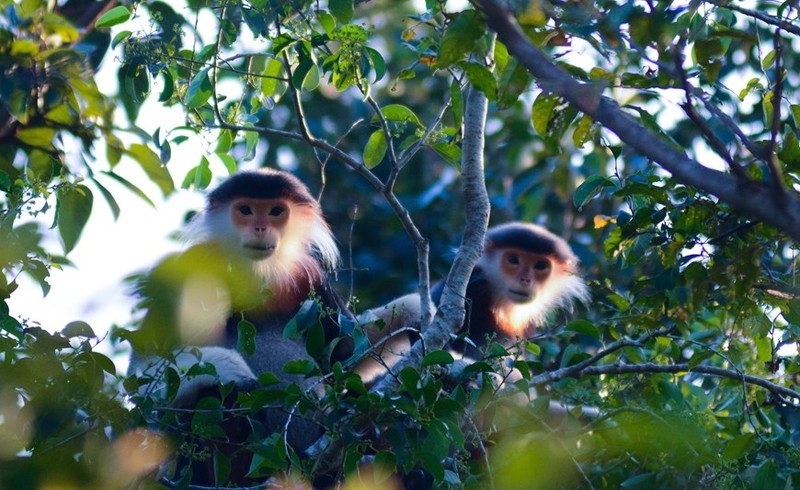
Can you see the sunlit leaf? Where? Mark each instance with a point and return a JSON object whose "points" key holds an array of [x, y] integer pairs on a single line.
{"points": [[151, 164], [199, 90], [273, 83], [450, 152], [460, 38], [341, 9], [114, 16], [228, 162], [542, 112], [482, 79], [589, 188], [41, 137], [375, 149], [398, 113], [768, 60]]}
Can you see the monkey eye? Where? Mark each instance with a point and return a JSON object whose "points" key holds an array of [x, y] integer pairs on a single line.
{"points": [[541, 265], [245, 210], [513, 259], [277, 211]]}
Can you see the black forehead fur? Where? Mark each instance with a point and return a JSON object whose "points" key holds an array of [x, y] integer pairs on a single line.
{"points": [[531, 238], [262, 184]]}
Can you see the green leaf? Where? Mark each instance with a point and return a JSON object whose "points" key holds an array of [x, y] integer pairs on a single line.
{"points": [[130, 186], [384, 467], [766, 477], [169, 86], [456, 103], [198, 177], [78, 329], [513, 82], [251, 141], [24, 47], [120, 37], [768, 60], [482, 79], [327, 21], [273, 83], [151, 164], [737, 447], [590, 188], [375, 149], [299, 366], [398, 113], [199, 90], [585, 327], [789, 152], [764, 349], [39, 273], [115, 16], [437, 357], [112, 202], [311, 80], [246, 340], [5, 181], [460, 38], [136, 81], [583, 131], [222, 468], [62, 114], [542, 112], [74, 205], [341, 9], [795, 108], [451, 153], [378, 63], [228, 162], [40, 137]]}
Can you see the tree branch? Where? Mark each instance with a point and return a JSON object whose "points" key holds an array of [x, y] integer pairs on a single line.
{"points": [[783, 24], [651, 368], [753, 198]]}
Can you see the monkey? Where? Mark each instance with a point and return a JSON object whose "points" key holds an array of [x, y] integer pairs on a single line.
{"points": [[257, 252], [525, 273]]}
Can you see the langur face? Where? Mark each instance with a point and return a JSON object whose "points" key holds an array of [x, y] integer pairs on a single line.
{"points": [[261, 223], [523, 273]]}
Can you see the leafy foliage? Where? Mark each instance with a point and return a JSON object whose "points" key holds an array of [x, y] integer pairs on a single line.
{"points": [[363, 100]]}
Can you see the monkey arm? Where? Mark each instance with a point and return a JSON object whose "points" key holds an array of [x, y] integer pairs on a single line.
{"points": [[229, 364]]}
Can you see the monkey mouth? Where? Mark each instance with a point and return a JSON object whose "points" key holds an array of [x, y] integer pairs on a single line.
{"points": [[259, 250], [519, 295]]}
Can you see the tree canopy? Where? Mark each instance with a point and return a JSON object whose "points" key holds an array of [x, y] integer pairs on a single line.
{"points": [[659, 138]]}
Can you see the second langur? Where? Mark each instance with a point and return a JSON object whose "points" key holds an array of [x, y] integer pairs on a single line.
{"points": [[260, 248], [524, 274]]}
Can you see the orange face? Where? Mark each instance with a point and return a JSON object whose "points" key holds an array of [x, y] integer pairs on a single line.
{"points": [[523, 272], [261, 223]]}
